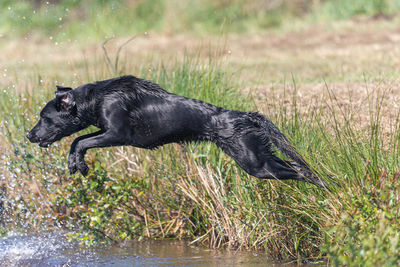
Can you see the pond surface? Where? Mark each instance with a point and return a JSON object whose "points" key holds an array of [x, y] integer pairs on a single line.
{"points": [[52, 249]]}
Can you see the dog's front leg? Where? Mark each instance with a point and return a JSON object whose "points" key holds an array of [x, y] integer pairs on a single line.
{"points": [[106, 139], [72, 157]]}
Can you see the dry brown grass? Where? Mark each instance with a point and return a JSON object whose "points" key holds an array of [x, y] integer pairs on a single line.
{"points": [[355, 101]]}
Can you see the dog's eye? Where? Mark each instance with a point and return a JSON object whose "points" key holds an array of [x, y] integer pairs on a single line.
{"points": [[47, 120]]}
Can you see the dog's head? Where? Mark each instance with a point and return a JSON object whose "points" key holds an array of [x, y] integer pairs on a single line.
{"points": [[57, 119]]}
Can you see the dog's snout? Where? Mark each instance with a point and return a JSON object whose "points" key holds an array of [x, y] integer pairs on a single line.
{"points": [[30, 137]]}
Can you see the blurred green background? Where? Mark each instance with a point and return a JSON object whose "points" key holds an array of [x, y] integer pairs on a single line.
{"points": [[77, 19]]}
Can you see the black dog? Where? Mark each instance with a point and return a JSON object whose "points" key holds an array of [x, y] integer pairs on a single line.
{"points": [[136, 112]]}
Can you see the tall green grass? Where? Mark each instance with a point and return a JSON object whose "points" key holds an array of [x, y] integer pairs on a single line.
{"points": [[196, 191]]}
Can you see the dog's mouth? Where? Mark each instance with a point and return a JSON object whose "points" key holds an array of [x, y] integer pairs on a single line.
{"points": [[45, 143], [48, 142]]}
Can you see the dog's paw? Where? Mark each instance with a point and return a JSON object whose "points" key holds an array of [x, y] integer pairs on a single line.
{"points": [[82, 167], [72, 164]]}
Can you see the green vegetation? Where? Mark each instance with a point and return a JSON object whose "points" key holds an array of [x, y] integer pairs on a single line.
{"points": [[98, 19], [195, 191], [342, 9], [367, 234]]}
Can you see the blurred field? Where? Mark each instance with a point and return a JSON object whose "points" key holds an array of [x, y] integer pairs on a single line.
{"points": [[326, 72], [352, 61]]}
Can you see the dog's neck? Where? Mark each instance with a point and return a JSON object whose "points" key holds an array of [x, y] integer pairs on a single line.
{"points": [[87, 109]]}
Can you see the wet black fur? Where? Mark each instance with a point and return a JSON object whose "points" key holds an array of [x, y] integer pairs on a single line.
{"points": [[136, 112]]}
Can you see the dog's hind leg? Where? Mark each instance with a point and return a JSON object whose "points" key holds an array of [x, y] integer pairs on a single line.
{"points": [[270, 167], [261, 163], [257, 159]]}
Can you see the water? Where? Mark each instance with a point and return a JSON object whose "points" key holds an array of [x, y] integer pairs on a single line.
{"points": [[52, 249]]}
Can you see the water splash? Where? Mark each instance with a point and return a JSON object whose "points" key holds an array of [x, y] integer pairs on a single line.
{"points": [[53, 249], [22, 250]]}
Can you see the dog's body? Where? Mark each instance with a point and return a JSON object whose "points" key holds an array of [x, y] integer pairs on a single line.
{"points": [[136, 112]]}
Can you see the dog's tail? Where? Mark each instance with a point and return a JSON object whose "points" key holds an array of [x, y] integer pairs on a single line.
{"points": [[284, 145]]}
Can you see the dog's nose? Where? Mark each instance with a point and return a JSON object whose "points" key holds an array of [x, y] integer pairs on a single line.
{"points": [[29, 136]]}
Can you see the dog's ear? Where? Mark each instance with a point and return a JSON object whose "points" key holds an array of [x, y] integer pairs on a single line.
{"points": [[65, 100], [63, 89]]}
